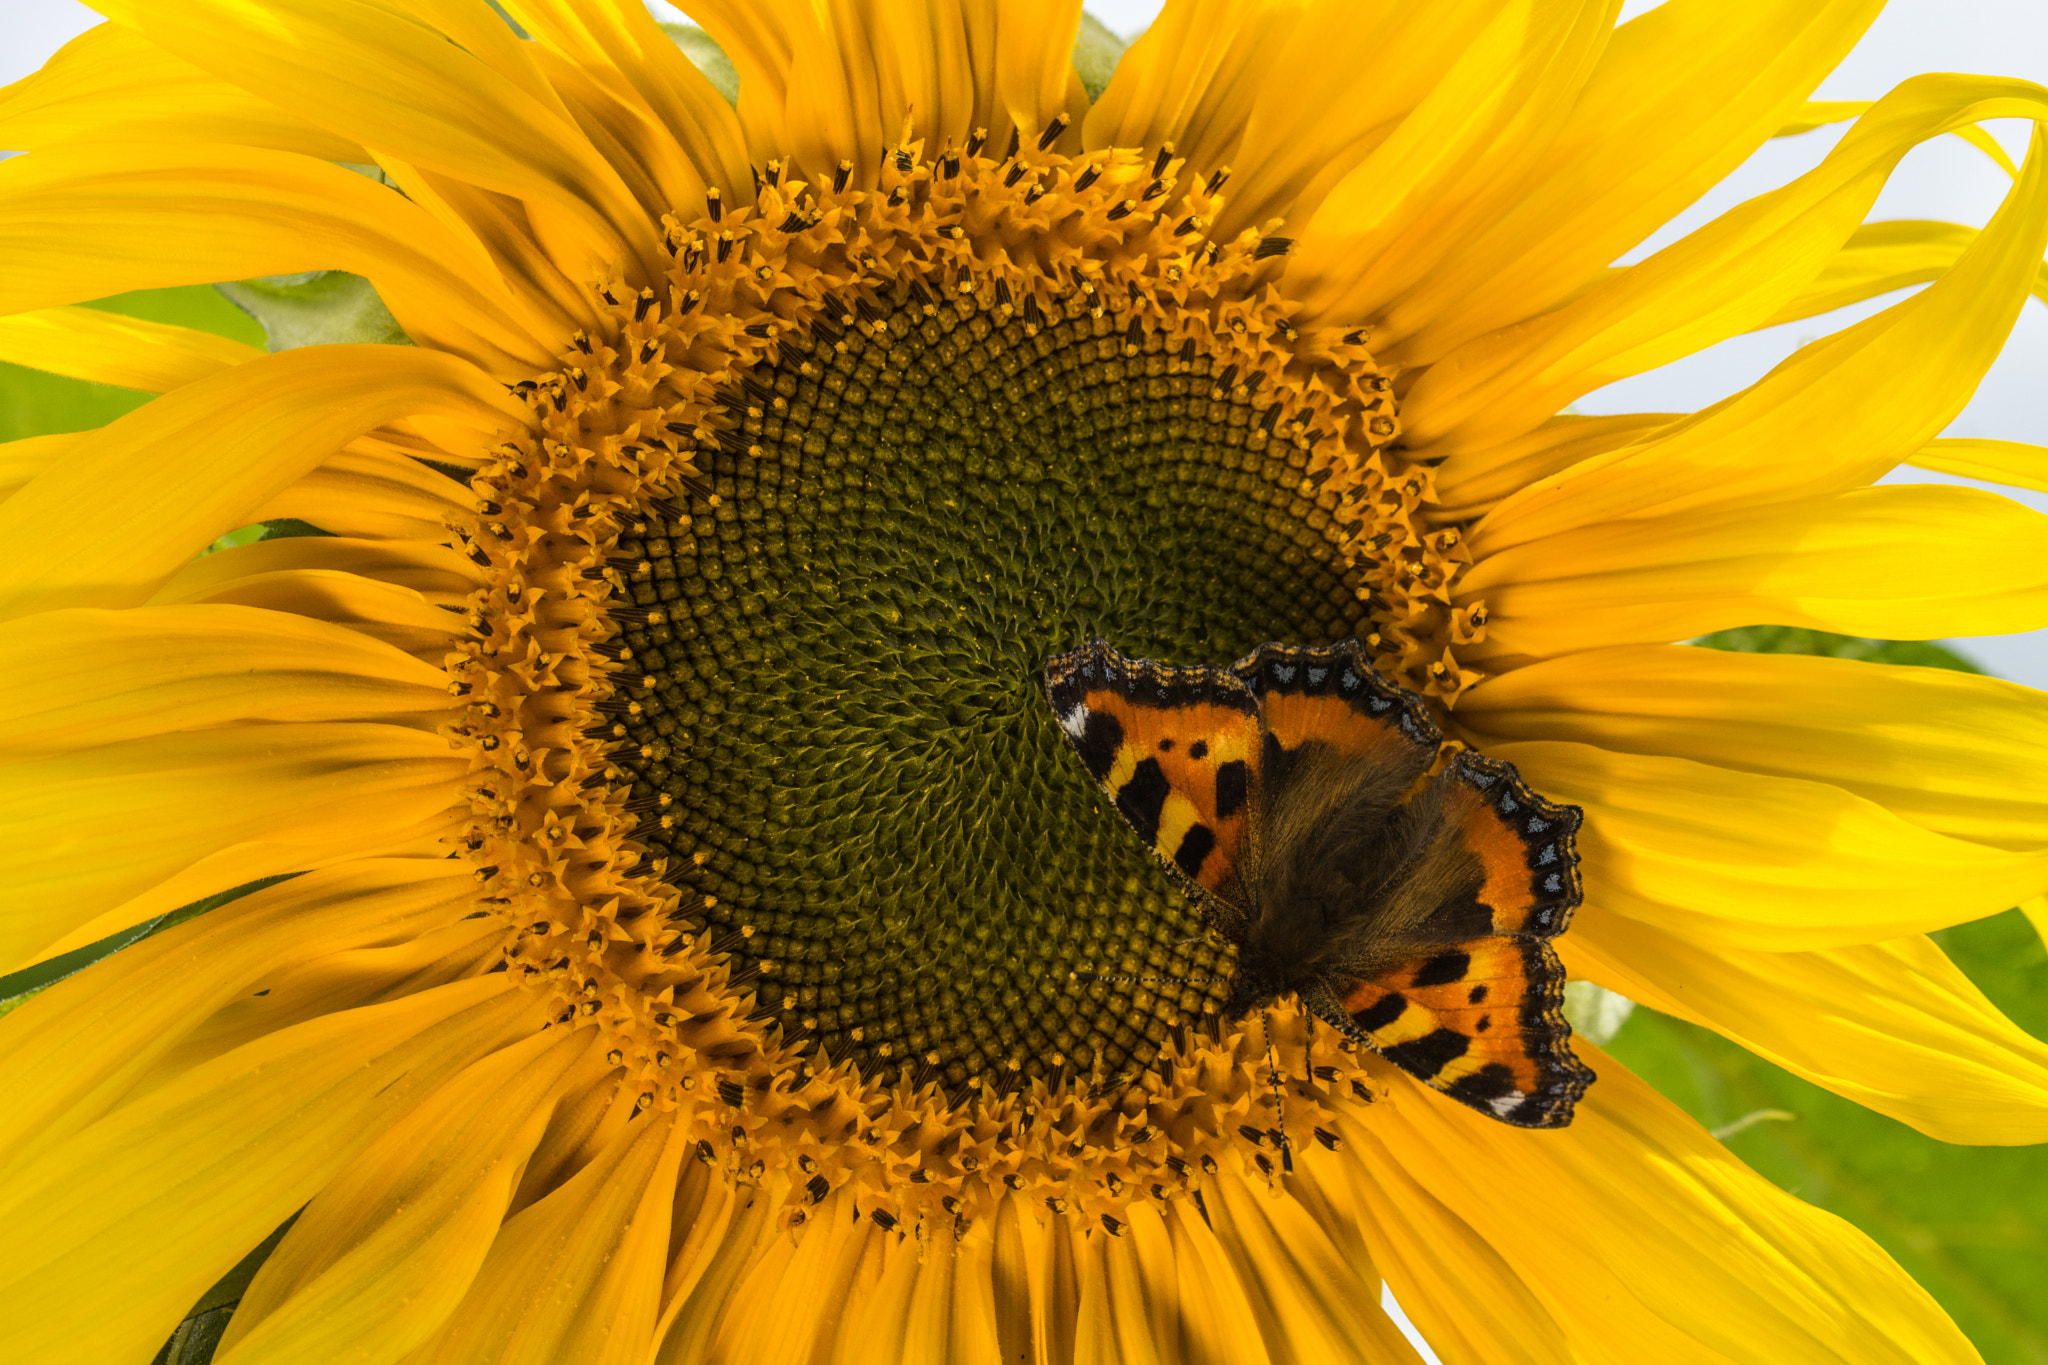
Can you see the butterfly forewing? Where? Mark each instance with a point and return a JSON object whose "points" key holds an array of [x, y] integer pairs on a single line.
{"points": [[1175, 749]]}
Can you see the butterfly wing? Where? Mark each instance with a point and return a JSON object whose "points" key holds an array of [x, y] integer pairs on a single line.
{"points": [[1330, 695], [1175, 749], [1481, 1019]]}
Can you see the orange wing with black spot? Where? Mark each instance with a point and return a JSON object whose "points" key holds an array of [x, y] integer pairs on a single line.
{"points": [[1330, 695], [1482, 1020], [1176, 749]]}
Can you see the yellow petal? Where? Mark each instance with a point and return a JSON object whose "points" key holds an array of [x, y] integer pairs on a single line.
{"points": [[387, 612], [112, 84], [106, 348], [386, 1250], [1906, 562], [103, 1253], [1881, 257], [1739, 269], [1894, 1026], [791, 1302], [1455, 164], [157, 501], [1952, 752], [321, 792], [372, 493], [1682, 95], [438, 573], [2036, 911], [1218, 1325], [71, 216], [725, 1238], [1470, 483], [1740, 860], [1309, 1299], [574, 1277], [463, 103], [80, 678], [1819, 113], [1468, 1303], [1675, 1250], [872, 1333], [2008, 462], [624, 38], [80, 1047], [22, 460]]}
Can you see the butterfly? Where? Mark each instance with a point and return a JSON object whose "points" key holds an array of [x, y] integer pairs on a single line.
{"points": [[1287, 796]]}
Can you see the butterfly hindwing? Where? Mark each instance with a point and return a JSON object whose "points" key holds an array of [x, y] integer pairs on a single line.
{"points": [[1175, 749], [1481, 1022]]}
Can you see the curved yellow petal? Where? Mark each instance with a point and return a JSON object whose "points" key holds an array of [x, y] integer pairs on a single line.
{"points": [[392, 77], [576, 1275], [1894, 1025], [1739, 269], [726, 1237], [1881, 257], [1819, 113], [157, 500], [80, 1047], [1218, 1326], [791, 1303], [107, 348], [1682, 95], [395, 615], [1309, 1299], [1835, 401], [1676, 1250], [1470, 483], [621, 48], [387, 1249], [438, 573], [373, 494], [1901, 562], [1729, 859], [22, 460], [103, 1223], [2008, 462], [319, 792], [1952, 752], [71, 217], [1437, 1264], [1450, 170], [823, 82], [1296, 97], [112, 84], [90, 677]]}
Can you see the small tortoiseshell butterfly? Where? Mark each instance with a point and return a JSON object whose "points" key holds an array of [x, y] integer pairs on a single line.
{"points": [[1273, 791]]}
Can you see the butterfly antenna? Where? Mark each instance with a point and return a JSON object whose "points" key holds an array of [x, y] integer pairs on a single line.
{"points": [[1279, 1104], [1098, 976]]}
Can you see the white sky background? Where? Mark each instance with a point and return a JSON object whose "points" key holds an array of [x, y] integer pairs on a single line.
{"points": [[1944, 180]]}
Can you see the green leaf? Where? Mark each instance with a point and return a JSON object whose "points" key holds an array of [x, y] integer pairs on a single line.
{"points": [[316, 309], [17, 987], [708, 58], [1096, 52], [34, 403], [1969, 1223], [1799, 640], [198, 1336]]}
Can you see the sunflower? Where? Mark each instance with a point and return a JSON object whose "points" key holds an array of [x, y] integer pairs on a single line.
{"points": [[678, 934]]}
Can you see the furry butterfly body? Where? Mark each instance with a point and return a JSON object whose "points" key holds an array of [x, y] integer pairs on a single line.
{"points": [[1287, 794]]}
